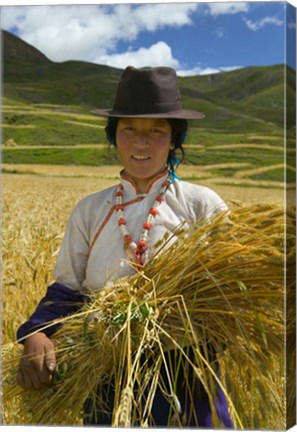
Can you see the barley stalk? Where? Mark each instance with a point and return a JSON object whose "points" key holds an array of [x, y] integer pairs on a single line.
{"points": [[221, 282]]}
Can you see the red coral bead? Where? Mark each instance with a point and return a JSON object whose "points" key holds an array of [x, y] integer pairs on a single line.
{"points": [[121, 221], [119, 207], [127, 238], [153, 211], [147, 225], [119, 194], [159, 198], [166, 183], [142, 244]]}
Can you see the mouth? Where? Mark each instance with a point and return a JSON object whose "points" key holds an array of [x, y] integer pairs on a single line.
{"points": [[140, 157]]}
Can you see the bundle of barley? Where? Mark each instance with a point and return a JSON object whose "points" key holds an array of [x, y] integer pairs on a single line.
{"points": [[219, 285]]}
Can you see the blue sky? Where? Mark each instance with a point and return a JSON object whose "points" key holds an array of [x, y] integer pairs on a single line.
{"points": [[194, 38]]}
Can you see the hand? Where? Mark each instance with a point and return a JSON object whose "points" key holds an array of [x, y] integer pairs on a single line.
{"points": [[37, 363]]}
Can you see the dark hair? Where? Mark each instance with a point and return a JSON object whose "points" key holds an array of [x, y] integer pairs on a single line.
{"points": [[179, 133]]}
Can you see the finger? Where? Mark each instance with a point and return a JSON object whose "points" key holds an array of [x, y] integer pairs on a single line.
{"points": [[50, 359], [45, 375], [40, 373], [35, 374], [32, 375], [28, 380], [33, 361]]}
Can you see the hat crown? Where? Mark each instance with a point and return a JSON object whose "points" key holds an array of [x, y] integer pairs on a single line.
{"points": [[147, 90], [150, 92]]}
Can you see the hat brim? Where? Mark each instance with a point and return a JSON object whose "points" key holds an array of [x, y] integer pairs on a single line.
{"points": [[181, 114]]}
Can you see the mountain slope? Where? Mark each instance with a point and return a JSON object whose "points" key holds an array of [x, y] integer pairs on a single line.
{"points": [[247, 98], [16, 48]]}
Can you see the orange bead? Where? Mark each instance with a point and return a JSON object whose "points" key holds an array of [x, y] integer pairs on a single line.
{"points": [[142, 244], [127, 238], [153, 211]]}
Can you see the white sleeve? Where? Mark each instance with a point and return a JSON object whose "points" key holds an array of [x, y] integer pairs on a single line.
{"points": [[72, 259], [208, 204], [213, 204]]}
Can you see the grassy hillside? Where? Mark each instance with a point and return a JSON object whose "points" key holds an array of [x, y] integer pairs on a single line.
{"points": [[46, 113], [230, 99]]}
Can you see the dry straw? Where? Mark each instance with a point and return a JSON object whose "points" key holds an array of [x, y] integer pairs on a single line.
{"points": [[220, 285]]}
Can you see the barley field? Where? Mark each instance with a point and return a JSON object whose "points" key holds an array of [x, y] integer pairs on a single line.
{"points": [[36, 203]]}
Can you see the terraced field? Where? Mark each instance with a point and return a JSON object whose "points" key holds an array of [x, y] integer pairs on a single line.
{"points": [[66, 135]]}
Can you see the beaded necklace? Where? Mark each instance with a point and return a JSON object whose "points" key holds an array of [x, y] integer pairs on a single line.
{"points": [[139, 250]]}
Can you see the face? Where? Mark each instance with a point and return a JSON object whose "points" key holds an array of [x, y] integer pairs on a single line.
{"points": [[143, 146]]}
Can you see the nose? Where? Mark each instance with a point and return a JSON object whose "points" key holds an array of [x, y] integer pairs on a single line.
{"points": [[141, 139]]}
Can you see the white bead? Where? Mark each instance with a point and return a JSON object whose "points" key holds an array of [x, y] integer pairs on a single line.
{"points": [[133, 245]]}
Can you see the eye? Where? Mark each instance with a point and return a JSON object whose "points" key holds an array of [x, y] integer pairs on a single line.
{"points": [[157, 130], [128, 128]]}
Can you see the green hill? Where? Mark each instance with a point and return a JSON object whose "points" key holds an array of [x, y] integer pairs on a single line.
{"points": [[229, 99], [46, 106]]}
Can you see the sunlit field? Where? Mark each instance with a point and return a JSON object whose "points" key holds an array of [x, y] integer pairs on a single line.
{"points": [[92, 179]]}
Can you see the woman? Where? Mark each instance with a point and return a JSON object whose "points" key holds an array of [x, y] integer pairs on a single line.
{"points": [[147, 124]]}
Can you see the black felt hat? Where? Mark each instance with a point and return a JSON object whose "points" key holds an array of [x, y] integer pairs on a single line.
{"points": [[148, 93]]}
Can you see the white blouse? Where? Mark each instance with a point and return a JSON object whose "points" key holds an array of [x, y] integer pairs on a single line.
{"points": [[92, 253]]}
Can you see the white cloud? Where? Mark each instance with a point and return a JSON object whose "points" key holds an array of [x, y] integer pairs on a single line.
{"points": [[256, 25], [156, 55], [62, 32], [177, 15], [228, 8], [92, 32], [85, 32], [220, 33], [229, 68], [206, 71]]}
